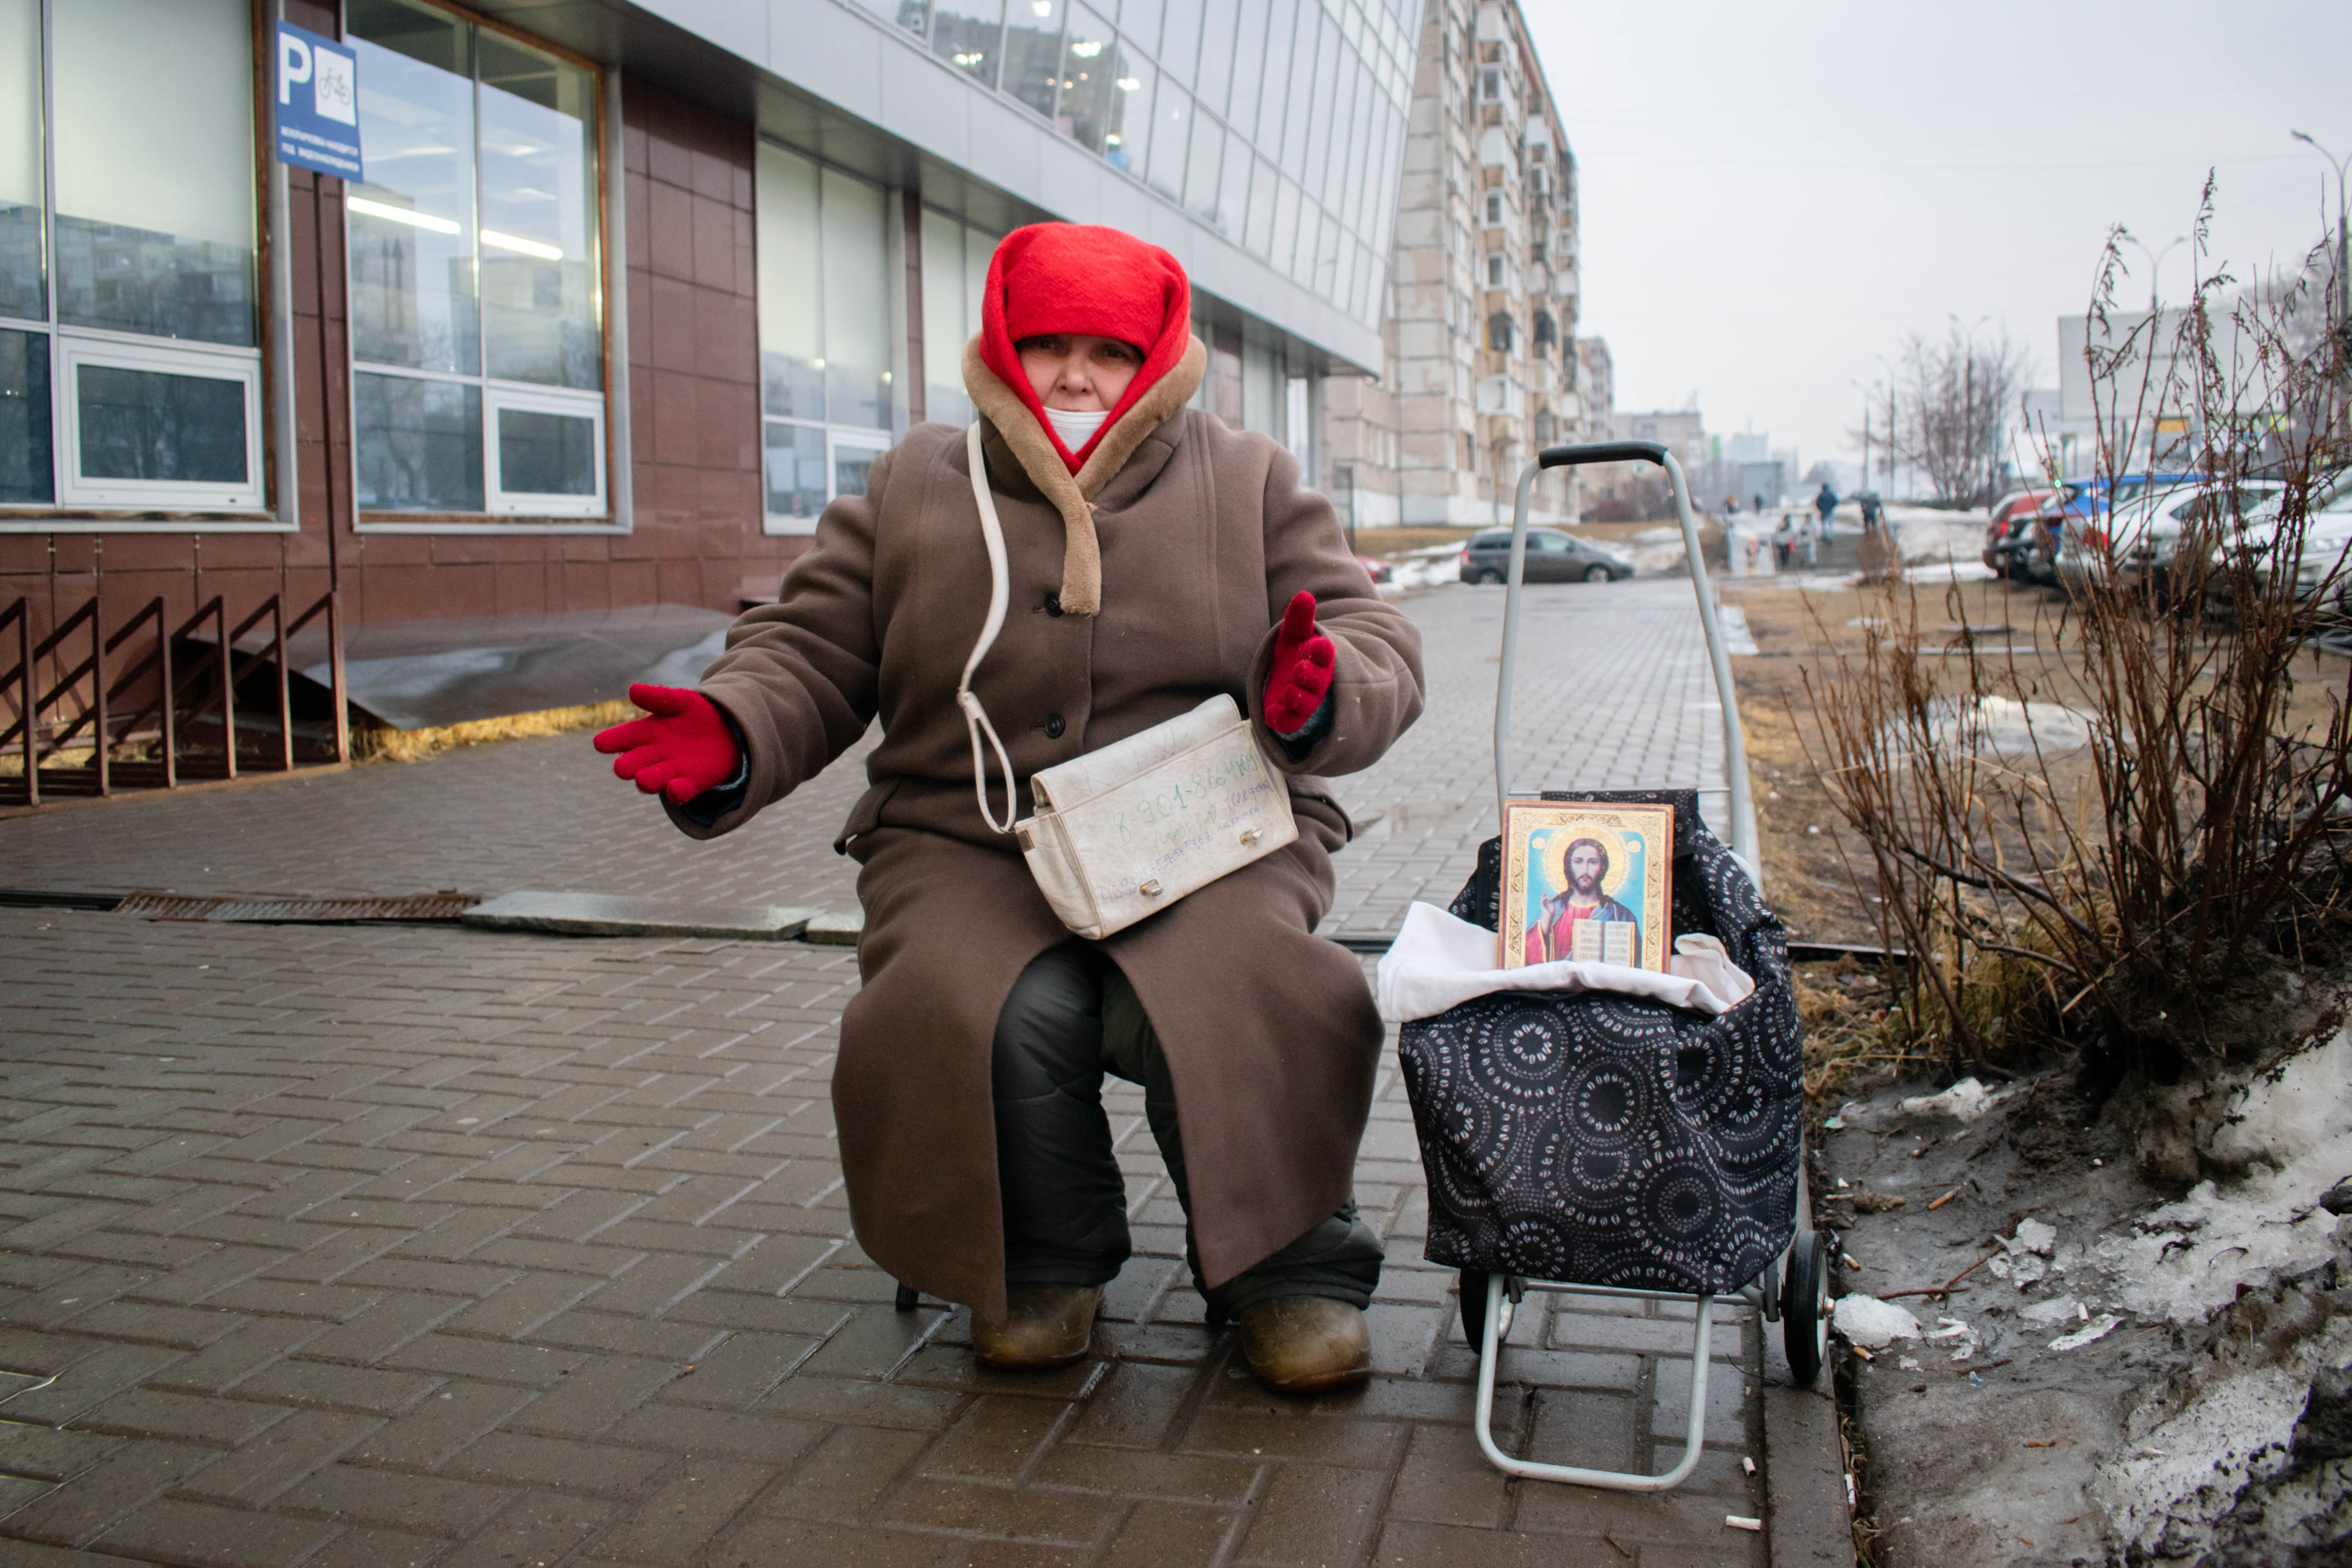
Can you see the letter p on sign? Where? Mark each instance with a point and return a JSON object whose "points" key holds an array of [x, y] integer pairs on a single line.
{"points": [[293, 65]]}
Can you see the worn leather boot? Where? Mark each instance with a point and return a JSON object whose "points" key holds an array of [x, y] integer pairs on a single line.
{"points": [[1299, 1344], [1043, 1326]]}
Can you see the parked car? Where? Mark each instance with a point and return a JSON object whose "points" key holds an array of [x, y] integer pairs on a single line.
{"points": [[2146, 537], [2088, 550], [2010, 521], [2324, 563], [2086, 502], [1378, 570], [1552, 557]]}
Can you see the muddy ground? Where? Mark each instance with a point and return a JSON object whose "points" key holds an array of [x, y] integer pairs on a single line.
{"points": [[2205, 1415], [2156, 1376]]}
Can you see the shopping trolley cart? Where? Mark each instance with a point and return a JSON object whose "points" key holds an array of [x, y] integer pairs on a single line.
{"points": [[1598, 1144]]}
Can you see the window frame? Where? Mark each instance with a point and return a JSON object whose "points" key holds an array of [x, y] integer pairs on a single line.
{"points": [[788, 525], [611, 514], [497, 397], [262, 503], [127, 351]]}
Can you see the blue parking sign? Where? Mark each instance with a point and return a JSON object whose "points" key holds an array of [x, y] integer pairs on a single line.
{"points": [[318, 108]]}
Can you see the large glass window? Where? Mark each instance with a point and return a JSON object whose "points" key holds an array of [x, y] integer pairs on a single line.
{"points": [[1089, 67], [955, 273], [825, 332], [476, 321], [129, 324], [968, 34], [1204, 101], [1128, 145], [1032, 52], [1171, 129], [1219, 26]]}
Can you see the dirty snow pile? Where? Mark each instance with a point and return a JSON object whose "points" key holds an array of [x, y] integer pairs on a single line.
{"points": [[1434, 566], [2192, 1457], [2291, 1131]]}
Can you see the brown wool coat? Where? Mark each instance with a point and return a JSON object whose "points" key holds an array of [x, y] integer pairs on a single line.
{"points": [[1188, 539]]}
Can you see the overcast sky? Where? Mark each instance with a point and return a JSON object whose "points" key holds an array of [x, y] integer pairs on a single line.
{"points": [[1773, 195]]}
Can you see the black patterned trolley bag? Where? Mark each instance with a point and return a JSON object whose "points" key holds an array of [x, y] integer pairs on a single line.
{"points": [[1595, 1138]]}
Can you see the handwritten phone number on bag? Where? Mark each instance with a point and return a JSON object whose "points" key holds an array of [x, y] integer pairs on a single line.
{"points": [[1166, 813]]}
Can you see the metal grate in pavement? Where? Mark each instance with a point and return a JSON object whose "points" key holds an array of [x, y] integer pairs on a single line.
{"points": [[446, 905]]}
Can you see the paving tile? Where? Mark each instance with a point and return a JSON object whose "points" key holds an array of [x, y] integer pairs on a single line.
{"points": [[152, 1413], [535, 1527], [533, 1459], [99, 1497], [1170, 1535], [596, 1395], [430, 1505], [1314, 1513], [49, 1453], [327, 1387], [841, 1477], [1447, 1480], [303, 1443], [438, 1426], [995, 1438], [779, 1540], [1026, 1514], [203, 1535], [678, 1520]]}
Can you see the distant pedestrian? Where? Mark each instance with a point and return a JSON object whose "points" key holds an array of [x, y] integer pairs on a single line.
{"points": [[1784, 544], [1826, 504], [1759, 503], [1731, 506], [1807, 533], [1872, 516]]}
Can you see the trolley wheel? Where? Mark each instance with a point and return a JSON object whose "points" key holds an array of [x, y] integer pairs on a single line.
{"points": [[1474, 1307], [908, 1298], [1804, 1306]]}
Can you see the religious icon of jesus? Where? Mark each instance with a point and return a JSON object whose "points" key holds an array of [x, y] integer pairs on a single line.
{"points": [[1576, 922], [1586, 879]]}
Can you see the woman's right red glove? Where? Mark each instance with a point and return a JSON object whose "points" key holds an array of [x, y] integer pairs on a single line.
{"points": [[682, 749]]}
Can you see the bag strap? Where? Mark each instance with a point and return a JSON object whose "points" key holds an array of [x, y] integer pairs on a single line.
{"points": [[975, 717]]}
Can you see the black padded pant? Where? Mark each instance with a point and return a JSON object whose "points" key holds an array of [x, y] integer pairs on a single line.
{"points": [[1071, 1018]]}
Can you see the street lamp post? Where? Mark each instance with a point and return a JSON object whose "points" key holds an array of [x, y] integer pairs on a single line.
{"points": [[1865, 429], [2155, 263], [2343, 274], [1882, 360], [2343, 325]]}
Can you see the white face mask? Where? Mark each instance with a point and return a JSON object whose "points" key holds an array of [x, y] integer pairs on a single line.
{"points": [[1077, 426]]}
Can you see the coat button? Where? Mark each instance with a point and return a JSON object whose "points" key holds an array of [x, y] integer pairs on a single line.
{"points": [[1054, 726], [1052, 603]]}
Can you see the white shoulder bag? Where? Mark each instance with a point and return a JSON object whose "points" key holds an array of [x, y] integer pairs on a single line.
{"points": [[1125, 831]]}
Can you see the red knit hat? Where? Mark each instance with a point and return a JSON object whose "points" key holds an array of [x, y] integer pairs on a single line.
{"points": [[1083, 278]]}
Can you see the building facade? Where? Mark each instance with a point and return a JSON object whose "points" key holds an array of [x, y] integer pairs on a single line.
{"points": [[1479, 370], [630, 288], [1596, 389]]}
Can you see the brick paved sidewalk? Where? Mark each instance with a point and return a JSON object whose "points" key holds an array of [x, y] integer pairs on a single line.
{"points": [[385, 1246], [379, 1247]]}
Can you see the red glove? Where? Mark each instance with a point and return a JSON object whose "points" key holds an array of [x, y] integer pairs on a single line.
{"points": [[1300, 675], [684, 749]]}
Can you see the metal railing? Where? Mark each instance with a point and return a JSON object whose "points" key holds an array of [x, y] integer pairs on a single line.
{"points": [[109, 702]]}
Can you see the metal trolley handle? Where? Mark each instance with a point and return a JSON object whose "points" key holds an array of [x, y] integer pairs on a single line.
{"points": [[1735, 740]]}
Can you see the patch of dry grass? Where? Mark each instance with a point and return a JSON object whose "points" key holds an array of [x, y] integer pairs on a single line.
{"points": [[384, 745]]}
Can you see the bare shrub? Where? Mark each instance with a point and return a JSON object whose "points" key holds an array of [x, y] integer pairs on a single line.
{"points": [[2116, 847], [1956, 399]]}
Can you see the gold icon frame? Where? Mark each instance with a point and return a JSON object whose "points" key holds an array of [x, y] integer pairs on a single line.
{"points": [[1536, 838]]}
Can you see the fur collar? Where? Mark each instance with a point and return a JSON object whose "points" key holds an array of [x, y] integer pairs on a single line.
{"points": [[1073, 495]]}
